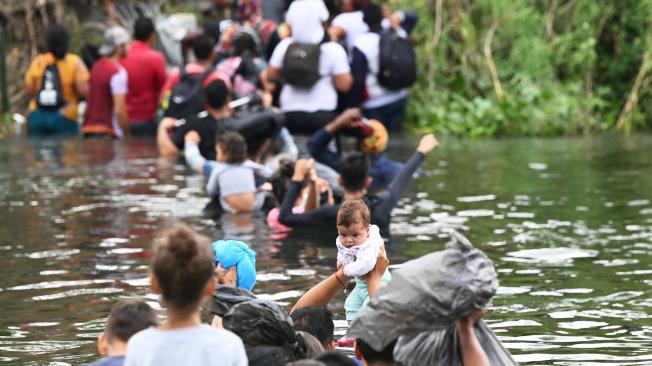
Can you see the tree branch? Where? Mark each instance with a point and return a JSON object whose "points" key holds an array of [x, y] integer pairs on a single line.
{"points": [[498, 88], [632, 99]]}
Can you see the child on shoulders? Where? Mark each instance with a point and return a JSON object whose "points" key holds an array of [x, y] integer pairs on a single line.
{"points": [[232, 178], [183, 273]]}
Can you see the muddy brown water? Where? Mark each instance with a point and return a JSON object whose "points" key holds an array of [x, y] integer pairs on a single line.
{"points": [[567, 222]]}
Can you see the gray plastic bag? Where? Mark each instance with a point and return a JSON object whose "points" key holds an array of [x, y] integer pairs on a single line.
{"points": [[419, 306]]}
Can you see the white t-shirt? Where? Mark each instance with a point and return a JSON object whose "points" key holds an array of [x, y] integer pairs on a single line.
{"points": [[119, 86], [322, 96], [369, 44], [359, 260], [305, 18], [353, 25], [193, 346]]}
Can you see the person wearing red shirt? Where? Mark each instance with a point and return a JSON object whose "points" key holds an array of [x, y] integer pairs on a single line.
{"points": [[146, 70], [106, 112]]}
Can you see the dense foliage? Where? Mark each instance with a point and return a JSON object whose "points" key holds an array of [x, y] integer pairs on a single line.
{"points": [[532, 67]]}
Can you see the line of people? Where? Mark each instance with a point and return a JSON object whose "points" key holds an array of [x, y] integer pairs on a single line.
{"points": [[190, 275]]}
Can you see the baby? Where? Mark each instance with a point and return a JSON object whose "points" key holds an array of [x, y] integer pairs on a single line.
{"points": [[358, 246]]}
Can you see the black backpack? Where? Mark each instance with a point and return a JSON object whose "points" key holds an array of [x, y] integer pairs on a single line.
{"points": [[50, 96], [301, 64], [187, 97], [398, 61]]}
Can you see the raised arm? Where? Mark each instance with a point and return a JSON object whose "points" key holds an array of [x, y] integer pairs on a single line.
{"points": [[472, 352]]}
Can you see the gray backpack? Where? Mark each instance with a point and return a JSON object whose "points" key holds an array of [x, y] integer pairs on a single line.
{"points": [[301, 64]]}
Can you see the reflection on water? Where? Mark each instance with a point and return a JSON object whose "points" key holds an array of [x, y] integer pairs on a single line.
{"points": [[568, 223]]}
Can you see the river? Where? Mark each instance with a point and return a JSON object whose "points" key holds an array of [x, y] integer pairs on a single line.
{"points": [[567, 222]]}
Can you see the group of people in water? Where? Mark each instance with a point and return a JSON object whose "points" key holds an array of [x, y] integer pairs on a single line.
{"points": [[330, 79]]}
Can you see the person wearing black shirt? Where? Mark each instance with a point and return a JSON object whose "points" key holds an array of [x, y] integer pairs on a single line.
{"points": [[354, 178], [207, 124]]}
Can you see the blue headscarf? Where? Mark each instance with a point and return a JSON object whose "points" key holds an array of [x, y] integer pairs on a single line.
{"points": [[236, 253]]}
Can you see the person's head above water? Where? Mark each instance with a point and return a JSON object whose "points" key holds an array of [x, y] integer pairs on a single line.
{"points": [[127, 318], [182, 269], [371, 357], [353, 219], [235, 263], [58, 40], [354, 171], [203, 46], [318, 321], [372, 15], [231, 148], [217, 95], [144, 30]]}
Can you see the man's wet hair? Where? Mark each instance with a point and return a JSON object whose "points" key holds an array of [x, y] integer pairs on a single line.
{"points": [[335, 358], [315, 320], [217, 94], [58, 41], [127, 318], [372, 15], [371, 356], [354, 171], [202, 46], [234, 146], [244, 42], [143, 29], [268, 356]]}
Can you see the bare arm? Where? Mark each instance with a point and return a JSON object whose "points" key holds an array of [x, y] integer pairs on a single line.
{"points": [[120, 110], [373, 278], [472, 352], [323, 292], [165, 145], [343, 82], [273, 74], [81, 81]]}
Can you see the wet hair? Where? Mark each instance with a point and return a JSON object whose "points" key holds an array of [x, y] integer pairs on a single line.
{"points": [[307, 363], [183, 265], [268, 356], [243, 42], [315, 320], [127, 318], [58, 41], [353, 212], [371, 356], [312, 345], [143, 28], [202, 46], [335, 358], [234, 146], [372, 15], [354, 171], [360, 4], [281, 179], [216, 93]]}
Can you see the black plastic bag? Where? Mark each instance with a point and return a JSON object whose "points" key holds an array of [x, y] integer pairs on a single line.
{"points": [[422, 301], [225, 297], [261, 323]]}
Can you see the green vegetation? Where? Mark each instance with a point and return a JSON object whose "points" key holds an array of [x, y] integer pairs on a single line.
{"points": [[532, 67]]}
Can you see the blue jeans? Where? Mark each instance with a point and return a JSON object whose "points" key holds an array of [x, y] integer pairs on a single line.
{"points": [[391, 115], [47, 123]]}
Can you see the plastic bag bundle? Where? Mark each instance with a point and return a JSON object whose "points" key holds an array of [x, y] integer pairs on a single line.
{"points": [[257, 322], [421, 303], [225, 297]]}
